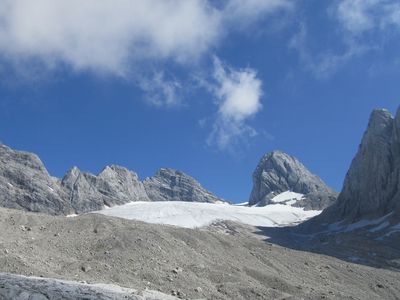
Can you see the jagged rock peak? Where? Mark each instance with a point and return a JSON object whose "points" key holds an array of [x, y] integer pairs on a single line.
{"points": [[25, 184], [114, 185], [372, 185], [278, 172], [74, 171], [115, 170], [173, 185], [28, 159]]}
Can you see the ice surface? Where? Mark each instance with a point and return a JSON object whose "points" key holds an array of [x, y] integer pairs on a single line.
{"points": [[195, 214]]}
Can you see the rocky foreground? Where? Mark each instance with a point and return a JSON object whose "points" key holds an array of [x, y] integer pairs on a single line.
{"points": [[19, 287], [224, 261]]}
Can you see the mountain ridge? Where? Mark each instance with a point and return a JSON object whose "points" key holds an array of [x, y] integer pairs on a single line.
{"points": [[25, 184]]}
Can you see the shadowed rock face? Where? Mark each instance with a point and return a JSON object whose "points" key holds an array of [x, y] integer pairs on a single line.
{"points": [[25, 184], [372, 185], [173, 185], [278, 172], [114, 185]]}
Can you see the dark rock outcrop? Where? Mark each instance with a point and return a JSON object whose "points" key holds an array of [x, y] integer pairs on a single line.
{"points": [[173, 185], [278, 172]]}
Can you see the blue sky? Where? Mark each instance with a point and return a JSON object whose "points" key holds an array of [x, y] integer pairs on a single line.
{"points": [[206, 87]]}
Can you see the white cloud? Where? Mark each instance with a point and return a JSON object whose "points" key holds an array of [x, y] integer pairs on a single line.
{"points": [[238, 96], [121, 38], [394, 14], [355, 15], [113, 35], [363, 27], [126, 38], [322, 65], [361, 16], [357, 19], [161, 91], [107, 35]]}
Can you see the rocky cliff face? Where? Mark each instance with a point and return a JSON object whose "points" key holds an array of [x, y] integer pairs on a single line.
{"points": [[25, 184], [114, 185], [278, 172], [372, 185], [173, 185]]}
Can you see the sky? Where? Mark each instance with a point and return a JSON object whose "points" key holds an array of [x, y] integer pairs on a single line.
{"points": [[204, 86]]}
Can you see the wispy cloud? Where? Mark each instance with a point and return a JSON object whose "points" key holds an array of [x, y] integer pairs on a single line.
{"points": [[160, 90], [111, 36], [322, 65], [364, 26], [248, 11], [238, 97], [361, 16], [107, 36], [356, 15], [122, 38]]}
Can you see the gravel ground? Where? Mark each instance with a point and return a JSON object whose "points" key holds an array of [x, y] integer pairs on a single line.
{"points": [[226, 261]]}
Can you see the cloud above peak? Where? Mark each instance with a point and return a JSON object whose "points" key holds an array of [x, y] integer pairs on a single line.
{"points": [[127, 38], [112, 36], [238, 97], [107, 35], [237, 91]]}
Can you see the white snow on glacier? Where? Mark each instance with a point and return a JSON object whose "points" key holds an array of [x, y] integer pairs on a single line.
{"points": [[195, 214]]}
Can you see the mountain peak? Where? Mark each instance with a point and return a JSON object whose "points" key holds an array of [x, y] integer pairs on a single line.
{"points": [[173, 185], [279, 172], [371, 185]]}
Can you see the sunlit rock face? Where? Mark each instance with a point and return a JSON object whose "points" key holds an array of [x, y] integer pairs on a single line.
{"points": [[278, 172], [114, 185], [372, 185], [173, 185], [25, 184]]}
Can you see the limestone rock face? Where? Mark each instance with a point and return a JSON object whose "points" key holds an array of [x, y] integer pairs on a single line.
{"points": [[173, 185], [372, 185], [25, 184], [278, 172], [114, 185]]}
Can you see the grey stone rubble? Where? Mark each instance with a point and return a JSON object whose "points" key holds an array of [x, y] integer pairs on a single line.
{"points": [[25, 184], [372, 185], [278, 172], [226, 261], [18, 287]]}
